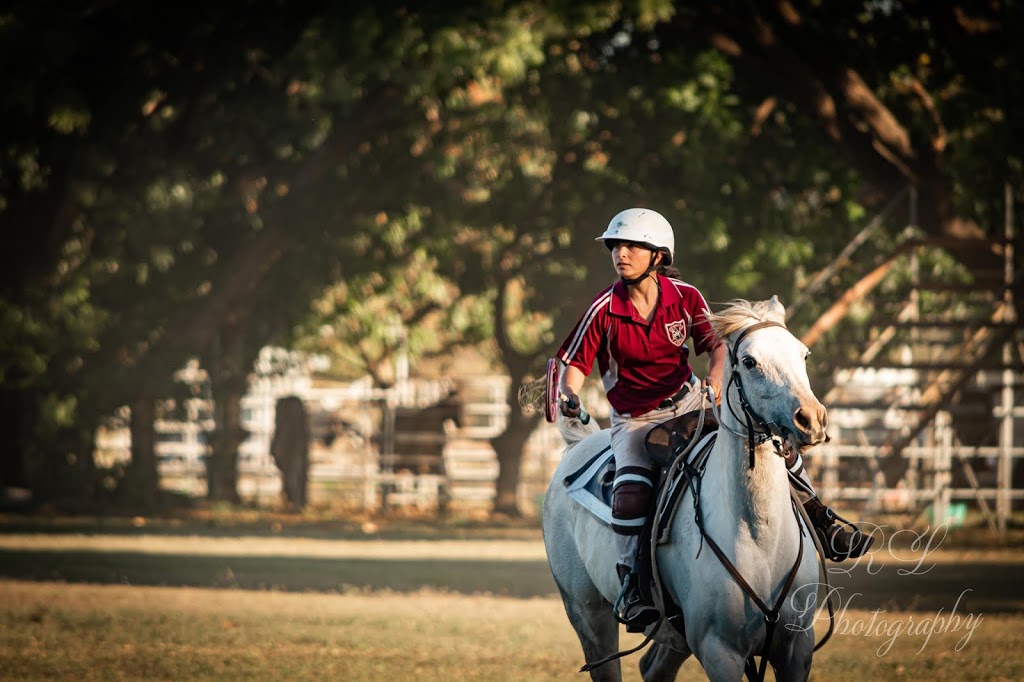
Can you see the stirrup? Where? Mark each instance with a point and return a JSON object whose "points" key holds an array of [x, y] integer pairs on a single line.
{"points": [[840, 544], [837, 543], [631, 609]]}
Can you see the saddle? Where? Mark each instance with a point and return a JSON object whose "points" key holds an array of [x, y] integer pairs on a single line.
{"points": [[667, 441], [591, 484]]}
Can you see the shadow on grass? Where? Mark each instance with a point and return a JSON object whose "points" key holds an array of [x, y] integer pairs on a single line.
{"points": [[985, 588], [297, 574], [965, 587], [270, 525]]}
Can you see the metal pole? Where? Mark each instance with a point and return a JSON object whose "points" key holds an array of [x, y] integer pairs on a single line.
{"points": [[914, 476], [972, 480], [941, 472], [1005, 466]]}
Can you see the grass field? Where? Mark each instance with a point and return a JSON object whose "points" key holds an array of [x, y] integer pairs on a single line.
{"points": [[140, 605]]}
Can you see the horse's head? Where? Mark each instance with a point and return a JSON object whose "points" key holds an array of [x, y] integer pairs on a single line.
{"points": [[767, 388]]}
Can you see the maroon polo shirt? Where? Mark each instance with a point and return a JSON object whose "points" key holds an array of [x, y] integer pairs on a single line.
{"points": [[641, 364]]}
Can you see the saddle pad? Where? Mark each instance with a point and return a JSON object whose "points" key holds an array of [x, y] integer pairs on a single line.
{"points": [[591, 485]]}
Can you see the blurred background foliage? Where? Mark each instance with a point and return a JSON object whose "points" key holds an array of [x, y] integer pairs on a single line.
{"points": [[203, 179]]}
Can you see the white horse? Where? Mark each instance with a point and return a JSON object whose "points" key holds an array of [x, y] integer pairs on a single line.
{"points": [[748, 522]]}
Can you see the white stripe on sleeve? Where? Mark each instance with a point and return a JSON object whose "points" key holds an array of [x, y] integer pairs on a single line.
{"points": [[577, 339]]}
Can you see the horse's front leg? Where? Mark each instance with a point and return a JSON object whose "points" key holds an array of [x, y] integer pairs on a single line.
{"points": [[661, 663], [720, 660], [791, 658], [596, 627]]}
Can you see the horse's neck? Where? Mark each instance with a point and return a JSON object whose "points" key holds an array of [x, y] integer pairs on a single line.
{"points": [[759, 497]]}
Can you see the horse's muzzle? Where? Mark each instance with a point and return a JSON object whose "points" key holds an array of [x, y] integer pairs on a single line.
{"points": [[810, 421]]}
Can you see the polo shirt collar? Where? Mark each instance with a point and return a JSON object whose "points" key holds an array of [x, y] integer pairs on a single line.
{"points": [[621, 306]]}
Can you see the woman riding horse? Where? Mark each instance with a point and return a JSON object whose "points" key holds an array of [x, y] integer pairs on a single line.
{"points": [[636, 330]]}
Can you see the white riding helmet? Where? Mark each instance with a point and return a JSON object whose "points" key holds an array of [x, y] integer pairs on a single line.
{"points": [[644, 226]]}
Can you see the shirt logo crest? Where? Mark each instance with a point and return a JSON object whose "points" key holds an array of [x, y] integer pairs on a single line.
{"points": [[676, 332]]}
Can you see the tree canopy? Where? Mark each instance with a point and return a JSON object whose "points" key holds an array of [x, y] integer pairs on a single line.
{"points": [[174, 177]]}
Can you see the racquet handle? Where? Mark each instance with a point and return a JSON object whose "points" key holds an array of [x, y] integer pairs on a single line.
{"points": [[584, 416]]}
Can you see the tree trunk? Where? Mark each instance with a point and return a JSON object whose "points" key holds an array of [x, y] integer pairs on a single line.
{"points": [[141, 484], [12, 423], [65, 472], [222, 466], [228, 381], [510, 447]]}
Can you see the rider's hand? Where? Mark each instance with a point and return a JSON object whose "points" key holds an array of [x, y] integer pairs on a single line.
{"points": [[716, 384], [567, 399]]}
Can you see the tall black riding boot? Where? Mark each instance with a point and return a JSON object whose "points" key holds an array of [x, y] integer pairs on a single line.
{"points": [[837, 542], [634, 607]]}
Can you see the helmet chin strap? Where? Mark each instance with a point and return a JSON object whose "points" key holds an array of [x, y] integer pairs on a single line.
{"points": [[631, 281]]}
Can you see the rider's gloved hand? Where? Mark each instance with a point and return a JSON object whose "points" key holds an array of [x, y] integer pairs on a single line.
{"points": [[569, 404]]}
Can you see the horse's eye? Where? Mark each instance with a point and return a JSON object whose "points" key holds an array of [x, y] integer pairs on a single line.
{"points": [[749, 362]]}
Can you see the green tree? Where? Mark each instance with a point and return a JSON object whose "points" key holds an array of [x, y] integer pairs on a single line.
{"points": [[151, 188], [189, 189], [906, 93]]}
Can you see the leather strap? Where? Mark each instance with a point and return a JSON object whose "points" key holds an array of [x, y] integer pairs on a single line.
{"points": [[674, 398], [771, 615]]}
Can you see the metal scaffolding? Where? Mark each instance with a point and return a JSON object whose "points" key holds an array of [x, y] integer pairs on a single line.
{"points": [[926, 421]]}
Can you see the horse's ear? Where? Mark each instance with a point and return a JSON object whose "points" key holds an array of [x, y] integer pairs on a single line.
{"points": [[776, 309]]}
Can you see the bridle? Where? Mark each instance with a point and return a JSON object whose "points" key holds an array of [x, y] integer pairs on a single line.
{"points": [[750, 416]]}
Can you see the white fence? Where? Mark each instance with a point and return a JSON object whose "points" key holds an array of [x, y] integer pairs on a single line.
{"points": [[346, 468]]}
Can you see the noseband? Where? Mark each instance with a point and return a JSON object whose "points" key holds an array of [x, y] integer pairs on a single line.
{"points": [[750, 415]]}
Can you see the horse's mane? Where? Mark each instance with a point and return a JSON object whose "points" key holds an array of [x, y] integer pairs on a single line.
{"points": [[740, 314]]}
